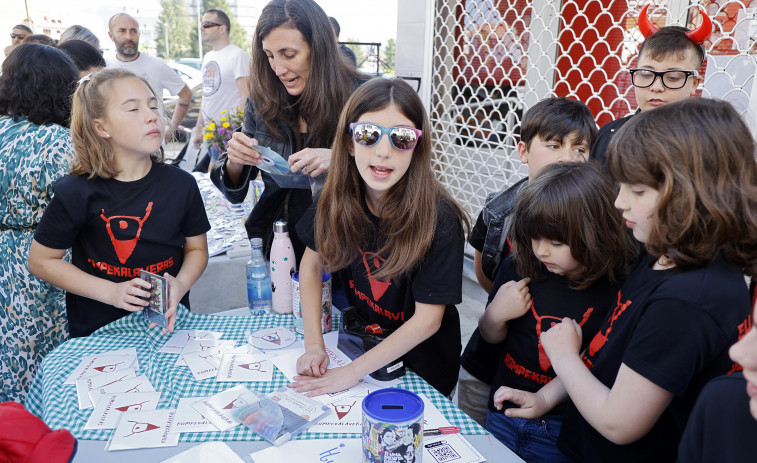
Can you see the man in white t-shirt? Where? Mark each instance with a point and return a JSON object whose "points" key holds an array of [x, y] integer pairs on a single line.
{"points": [[123, 30], [225, 72]]}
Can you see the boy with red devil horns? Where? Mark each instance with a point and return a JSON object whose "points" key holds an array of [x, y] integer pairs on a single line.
{"points": [[667, 71]]}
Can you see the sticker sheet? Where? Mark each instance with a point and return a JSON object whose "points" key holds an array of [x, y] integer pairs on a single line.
{"points": [[144, 429], [109, 408], [95, 365], [244, 368], [219, 409], [190, 420], [83, 386]]}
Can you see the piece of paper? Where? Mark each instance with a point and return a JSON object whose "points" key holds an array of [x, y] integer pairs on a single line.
{"points": [[144, 429], [214, 347], [208, 452], [245, 367], [286, 361], [175, 343], [83, 386], [95, 365], [450, 448], [140, 383], [109, 408], [219, 409], [313, 451], [190, 420], [203, 365]]}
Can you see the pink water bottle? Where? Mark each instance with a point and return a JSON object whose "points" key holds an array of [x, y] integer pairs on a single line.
{"points": [[283, 265]]}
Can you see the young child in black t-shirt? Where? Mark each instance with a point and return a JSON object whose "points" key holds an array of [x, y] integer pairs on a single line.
{"points": [[570, 245], [121, 209], [553, 130], [393, 235], [723, 424], [688, 191]]}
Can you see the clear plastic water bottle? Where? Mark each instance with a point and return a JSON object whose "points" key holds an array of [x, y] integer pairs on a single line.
{"points": [[258, 281]]}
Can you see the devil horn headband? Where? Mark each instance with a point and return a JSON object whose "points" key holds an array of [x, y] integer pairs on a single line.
{"points": [[698, 35]]}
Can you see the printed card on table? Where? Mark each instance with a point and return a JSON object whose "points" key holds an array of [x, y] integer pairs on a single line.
{"points": [[219, 409], [190, 420], [245, 367], [95, 365], [176, 343], [216, 452], [214, 346], [144, 429], [286, 362], [271, 338], [83, 386], [109, 408], [347, 417], [203, 365], [140, 383], [313, 451], [450, 448]]}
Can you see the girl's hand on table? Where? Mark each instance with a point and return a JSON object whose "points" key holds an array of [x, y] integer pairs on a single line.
{"points": [[334, 380], [313, 362], [176, 291]]}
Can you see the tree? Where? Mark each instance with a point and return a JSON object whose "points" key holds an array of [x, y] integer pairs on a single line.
{"points": [[388, 57], [358, 51], [238, 33], [174, 25]]}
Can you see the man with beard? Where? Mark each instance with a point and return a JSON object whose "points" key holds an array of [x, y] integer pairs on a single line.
{"points": [[123, 30]]}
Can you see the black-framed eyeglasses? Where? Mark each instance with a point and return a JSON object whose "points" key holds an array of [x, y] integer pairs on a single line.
{"points": [[672, 80], [208, 25], [17, 36]]}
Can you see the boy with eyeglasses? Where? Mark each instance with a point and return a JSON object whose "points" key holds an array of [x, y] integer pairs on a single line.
{"points": [[666, 72]]}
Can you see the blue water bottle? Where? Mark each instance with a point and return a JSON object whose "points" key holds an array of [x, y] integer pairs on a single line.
{"points": [[258, 280]]}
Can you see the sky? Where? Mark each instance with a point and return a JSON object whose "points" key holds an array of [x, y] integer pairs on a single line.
{"points": [[361, 20]]}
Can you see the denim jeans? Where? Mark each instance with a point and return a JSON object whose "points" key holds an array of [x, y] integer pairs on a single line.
{"points": [[535, 441]]}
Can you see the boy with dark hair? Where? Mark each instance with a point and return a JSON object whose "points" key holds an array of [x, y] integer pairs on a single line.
{"points": [[667, 71], [553, 130]]}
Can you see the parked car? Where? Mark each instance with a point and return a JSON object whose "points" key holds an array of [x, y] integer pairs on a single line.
{"points": [[193, 62], [193, 79]]}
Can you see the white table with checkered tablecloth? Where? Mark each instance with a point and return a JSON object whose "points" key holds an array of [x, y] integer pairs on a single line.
{"points": [[56, 403]]}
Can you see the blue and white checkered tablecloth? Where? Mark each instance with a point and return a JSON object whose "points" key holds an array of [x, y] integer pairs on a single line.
{"points": [[56, 403]]}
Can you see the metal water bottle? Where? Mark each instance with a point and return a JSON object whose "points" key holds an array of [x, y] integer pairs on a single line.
{"points": [[283, 265], [258, 281]]}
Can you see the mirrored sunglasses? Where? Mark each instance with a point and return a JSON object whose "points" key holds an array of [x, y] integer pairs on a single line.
{"points": [[208, 25], [17, 36], [368, 134]]}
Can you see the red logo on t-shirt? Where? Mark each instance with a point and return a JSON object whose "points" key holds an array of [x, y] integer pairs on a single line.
{"points": [[124, 247], [373, 261], [544, 361], [601, 338]]}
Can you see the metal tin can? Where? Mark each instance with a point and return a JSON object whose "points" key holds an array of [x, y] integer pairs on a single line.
{"points": [[392, 426], [326, 322]]}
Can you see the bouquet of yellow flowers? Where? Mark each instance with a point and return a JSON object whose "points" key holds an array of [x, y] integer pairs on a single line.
{"points": [[217, 133]]}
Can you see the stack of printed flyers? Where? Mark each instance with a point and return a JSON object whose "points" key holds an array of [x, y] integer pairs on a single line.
{"points": [[124, 400]]}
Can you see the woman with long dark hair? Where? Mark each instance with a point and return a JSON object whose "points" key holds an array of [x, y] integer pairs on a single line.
{"points": [[36, 86], [299, 83]]}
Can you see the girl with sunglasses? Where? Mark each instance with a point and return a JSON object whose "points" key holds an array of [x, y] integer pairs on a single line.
{"points": [[394, 237], [299, 83]]}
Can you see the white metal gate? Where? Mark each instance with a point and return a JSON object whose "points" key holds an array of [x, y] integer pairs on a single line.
{"points": [[492, 59]]}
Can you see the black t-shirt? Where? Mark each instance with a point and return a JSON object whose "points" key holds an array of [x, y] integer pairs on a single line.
{"points": [[116, 228], [674, 328], [599, 147], [720, 428], [437, 279], [524, 364]]}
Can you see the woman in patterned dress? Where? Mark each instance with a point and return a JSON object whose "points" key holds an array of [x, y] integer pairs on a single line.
{"points": [[36, 86]]}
